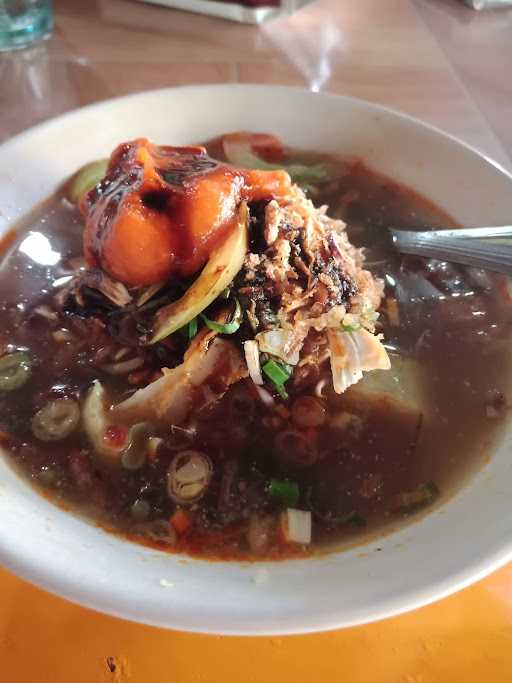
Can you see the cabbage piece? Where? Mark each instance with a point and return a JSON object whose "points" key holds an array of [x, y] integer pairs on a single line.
{"points": [[353, 353], [208, 369], [280, 343]]}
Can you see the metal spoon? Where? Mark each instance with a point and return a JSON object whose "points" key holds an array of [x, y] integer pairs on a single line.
{"points": [[489, 248]]}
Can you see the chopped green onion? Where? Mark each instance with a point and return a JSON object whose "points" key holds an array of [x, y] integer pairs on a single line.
{"points": [[286, 492], [353, 518], [192, 328], [282, 392], [278, 374], [226, 328]]}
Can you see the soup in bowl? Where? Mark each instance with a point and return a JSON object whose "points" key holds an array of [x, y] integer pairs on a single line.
{"points": [[211, 351]]}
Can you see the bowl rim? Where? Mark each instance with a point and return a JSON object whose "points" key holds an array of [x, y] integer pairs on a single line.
{"points": [[326, 95], [71, 588]]}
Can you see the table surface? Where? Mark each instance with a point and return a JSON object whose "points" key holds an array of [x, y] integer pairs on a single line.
{"points": [[434, 59]]}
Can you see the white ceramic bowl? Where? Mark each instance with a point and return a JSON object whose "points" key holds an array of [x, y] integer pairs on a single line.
{"points": [[458, 543]]}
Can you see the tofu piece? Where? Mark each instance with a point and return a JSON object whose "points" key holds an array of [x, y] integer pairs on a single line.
{"points": [[404, 384]]}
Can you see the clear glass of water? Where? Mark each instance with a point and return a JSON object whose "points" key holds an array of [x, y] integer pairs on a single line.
{"points": [[24, 21]]}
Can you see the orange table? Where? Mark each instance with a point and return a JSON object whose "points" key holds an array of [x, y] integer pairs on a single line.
{"points": [[431, 58], [463, 639]]}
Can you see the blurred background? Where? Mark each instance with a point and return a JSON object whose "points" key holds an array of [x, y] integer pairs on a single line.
{"points": [[439, 60]]}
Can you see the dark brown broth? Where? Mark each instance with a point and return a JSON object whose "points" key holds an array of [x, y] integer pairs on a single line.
{"points": [[460, 339]]}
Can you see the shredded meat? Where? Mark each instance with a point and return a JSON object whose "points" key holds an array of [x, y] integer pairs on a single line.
{"points": [[272, 222], [156, 217], [308, 277]]}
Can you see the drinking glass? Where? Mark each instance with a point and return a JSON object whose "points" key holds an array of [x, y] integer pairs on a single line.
{"points": [[24, 21]]}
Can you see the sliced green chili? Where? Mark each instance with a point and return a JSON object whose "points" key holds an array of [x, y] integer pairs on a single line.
{"points": [[15, 369], [226, 328]]}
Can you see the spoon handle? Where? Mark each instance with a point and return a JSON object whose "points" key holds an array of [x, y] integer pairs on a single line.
{"points": [[489, 248]]}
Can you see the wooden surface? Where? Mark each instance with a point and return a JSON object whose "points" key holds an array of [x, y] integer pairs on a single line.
{"points": [[434, 59]]}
